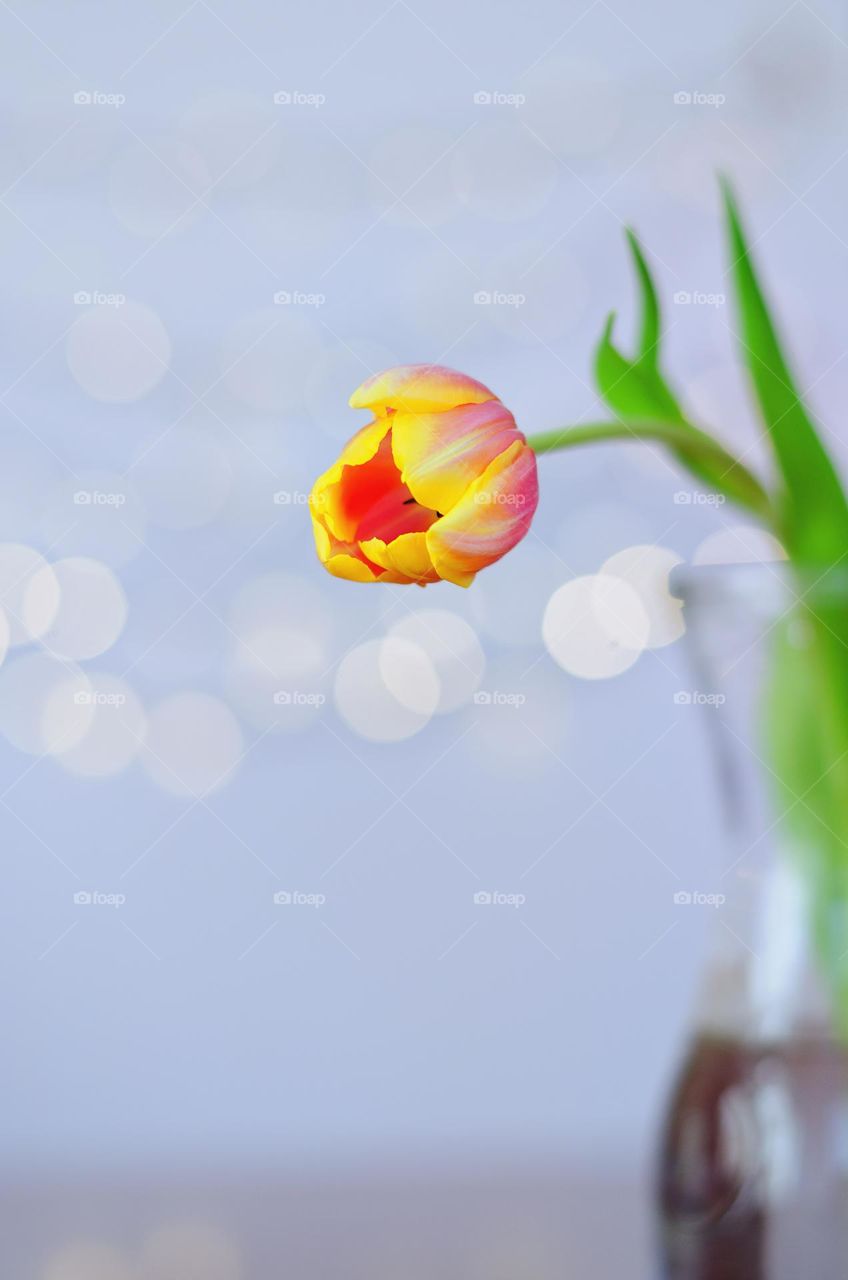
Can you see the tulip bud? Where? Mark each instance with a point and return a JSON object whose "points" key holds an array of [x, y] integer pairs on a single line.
{"points": [[441, 483]]}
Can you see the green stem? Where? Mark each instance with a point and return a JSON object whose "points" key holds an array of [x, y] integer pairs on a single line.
{"points": [[693, 446]]}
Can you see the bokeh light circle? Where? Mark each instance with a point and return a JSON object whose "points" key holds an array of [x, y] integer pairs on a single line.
{"points": [[740, 544], [409, 675], [646, 569], [45, 704], [364, 700], [29, 592], [452, 647], [118, 353], [595, 626], [92, 608]]}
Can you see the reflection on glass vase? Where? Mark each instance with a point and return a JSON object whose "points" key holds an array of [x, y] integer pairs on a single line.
{"points": [[753, 1161]]}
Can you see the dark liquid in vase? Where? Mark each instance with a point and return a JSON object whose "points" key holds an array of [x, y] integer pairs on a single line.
{"points": [[753, 1181]]}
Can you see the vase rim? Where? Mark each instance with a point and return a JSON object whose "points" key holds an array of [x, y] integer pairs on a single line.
{"points": [[777, 584]]}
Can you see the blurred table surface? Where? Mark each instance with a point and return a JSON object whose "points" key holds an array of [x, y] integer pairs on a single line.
{"points": [[407, 1224]]}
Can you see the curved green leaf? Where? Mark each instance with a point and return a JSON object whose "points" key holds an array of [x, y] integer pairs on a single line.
{"points": [[813, 500], [635, 388]]}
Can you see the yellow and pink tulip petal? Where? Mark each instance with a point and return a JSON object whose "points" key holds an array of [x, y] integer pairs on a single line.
{"points": [[492, 516], [439, 485], [418, 388]]}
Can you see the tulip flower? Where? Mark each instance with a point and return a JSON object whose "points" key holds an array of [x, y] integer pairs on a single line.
{"points": [[439, 485]]}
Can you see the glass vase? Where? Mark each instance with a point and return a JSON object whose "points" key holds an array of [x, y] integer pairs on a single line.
{"points": [[753, 1162]]}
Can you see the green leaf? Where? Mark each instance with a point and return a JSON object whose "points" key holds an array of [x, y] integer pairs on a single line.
{"points": [[632, 388], [806, 735], [649, 341], [636, 389], [813, 503]]}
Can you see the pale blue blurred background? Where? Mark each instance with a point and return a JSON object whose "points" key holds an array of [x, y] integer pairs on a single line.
{"points": [[169, 427]]}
